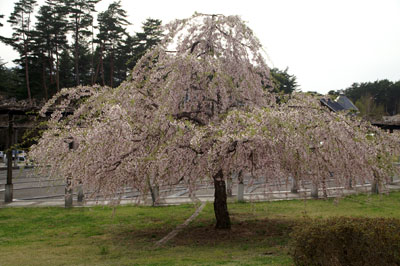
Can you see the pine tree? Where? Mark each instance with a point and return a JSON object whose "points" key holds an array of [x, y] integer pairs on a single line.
{"points": [[51, 31], [1, 25], [145, 40], [66, 70], [111, 32], [20, 20], [80, 20], [84, 62], [41, 62], [283, 81], [10, 81]]}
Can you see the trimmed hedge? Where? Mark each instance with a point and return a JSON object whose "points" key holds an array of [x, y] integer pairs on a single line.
{"points": [[347, 241]]}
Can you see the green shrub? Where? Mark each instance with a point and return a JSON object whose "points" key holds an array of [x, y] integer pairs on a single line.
{"points": [[347, 241]]}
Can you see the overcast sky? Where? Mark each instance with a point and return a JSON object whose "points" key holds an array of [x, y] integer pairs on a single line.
{"points": [[327, 44]]}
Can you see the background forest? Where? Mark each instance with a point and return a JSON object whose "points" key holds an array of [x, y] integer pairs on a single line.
{"points": [[374, 99], [66, 47]]}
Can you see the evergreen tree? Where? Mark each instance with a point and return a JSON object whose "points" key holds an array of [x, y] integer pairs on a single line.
{"points": [[52, 26], [143, 41], [66, 70], [123, 51], [1, 25], [20, 20], [283, 81], [394, 92], [10, 81], [384, 93], [84, 62], [41, 50], [80, 20], [111, 31]]}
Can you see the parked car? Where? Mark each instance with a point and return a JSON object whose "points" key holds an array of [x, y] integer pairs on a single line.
{"points": [[21, 156], [16, 154]]}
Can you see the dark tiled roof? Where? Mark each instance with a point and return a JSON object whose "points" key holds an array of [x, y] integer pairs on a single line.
{"points": [[346, 103], [334, 106]]}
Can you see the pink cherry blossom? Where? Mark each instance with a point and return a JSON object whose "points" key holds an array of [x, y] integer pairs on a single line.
{"points": [[197, 107]]}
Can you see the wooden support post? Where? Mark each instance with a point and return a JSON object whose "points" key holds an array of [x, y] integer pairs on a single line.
{"points": [[9, 186], [324, 188], [295, 186], [68, 186], [68, 193], [229, 184], [15, 137], [314, 190], [80, 193], [240, 195]]}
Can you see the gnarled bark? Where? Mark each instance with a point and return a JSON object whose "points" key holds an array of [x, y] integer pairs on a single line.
{"points": [[220, 205]]}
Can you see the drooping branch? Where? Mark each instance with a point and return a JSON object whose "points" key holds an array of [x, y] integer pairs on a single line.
{"points": [[189, 116], [194, 46]]}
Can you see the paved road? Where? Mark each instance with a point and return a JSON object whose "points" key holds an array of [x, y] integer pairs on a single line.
{"points": [[33, 190], [27, 185]]}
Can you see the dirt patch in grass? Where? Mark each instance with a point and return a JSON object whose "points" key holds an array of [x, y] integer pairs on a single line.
{"points": [[203, 233], [245, 231]]}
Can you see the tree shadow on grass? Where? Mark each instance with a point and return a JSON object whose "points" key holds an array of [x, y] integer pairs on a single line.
{"points": [[273, 231], [203, 232]]}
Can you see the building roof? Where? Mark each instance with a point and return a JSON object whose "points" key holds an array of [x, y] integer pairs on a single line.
{"points": [[346, 103], [332, 105], [341, 103]]}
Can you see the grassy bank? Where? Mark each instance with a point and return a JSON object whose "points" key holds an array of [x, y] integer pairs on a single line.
{"points": [[94, 236]]}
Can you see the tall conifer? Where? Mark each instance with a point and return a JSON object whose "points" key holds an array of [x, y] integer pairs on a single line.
{"points": [[20, 20]]}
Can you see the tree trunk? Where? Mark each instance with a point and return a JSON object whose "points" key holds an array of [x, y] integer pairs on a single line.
{"points": [[46, 95], [76, 55], [57, 71], [97, 71], [101, 64], [375, 188], [25, 39], [220, 206], [50, 55], [112, 68], [92, 59], [27, 74]]}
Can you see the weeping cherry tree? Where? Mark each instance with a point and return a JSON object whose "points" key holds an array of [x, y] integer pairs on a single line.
{"points": [[197, 107]]}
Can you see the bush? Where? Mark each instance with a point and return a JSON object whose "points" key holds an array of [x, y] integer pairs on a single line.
{"points": [[347, 241]]}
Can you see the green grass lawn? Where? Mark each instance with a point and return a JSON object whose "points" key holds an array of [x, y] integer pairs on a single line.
{"points": [[93, 236]]}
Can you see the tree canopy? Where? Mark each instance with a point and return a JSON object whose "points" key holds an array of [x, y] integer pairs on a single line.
{"points": [[197, 106], [283, 81]]}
